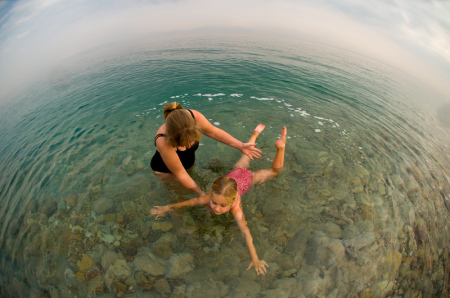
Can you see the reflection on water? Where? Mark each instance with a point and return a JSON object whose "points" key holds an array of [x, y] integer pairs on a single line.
{"points": [[361, 209]]}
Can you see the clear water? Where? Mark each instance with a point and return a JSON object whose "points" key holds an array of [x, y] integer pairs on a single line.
{"points": [[361, 209]]}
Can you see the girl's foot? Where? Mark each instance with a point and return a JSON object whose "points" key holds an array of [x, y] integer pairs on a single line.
{"points": [[258, 129], [282, 140]]}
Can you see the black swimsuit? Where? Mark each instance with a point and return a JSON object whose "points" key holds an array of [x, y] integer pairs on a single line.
{"points": [[187, 157]]}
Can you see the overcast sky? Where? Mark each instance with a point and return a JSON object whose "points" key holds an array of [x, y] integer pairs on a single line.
{"points": [[410, 35]]}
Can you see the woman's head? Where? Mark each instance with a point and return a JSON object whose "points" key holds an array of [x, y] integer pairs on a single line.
{"points": [[181, 130], [223, 194]]}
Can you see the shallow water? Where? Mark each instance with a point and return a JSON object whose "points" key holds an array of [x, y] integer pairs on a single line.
{"points": [[361, 209]]}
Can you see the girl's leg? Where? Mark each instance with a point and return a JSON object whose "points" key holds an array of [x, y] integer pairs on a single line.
{"points": [[244, 161], [277, 164]]}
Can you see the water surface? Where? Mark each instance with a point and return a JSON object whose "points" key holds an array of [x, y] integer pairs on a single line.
{"points": [[361, 209]]}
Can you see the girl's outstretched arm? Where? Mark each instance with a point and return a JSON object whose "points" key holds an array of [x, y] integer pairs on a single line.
{"points": [[260, 265], [160, 211]]}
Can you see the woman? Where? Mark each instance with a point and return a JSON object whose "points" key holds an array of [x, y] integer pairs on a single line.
{"points": [[178, 138]]}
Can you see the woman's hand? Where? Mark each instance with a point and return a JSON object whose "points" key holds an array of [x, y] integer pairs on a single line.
{"points": [[250, 150], [259, 266], [160, 211]]}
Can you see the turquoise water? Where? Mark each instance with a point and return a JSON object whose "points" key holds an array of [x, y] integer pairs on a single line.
{"points": [[361, 209]]}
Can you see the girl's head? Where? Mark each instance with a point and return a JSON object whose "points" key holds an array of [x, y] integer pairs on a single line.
{"points": [[223, 194], [181, 130]]}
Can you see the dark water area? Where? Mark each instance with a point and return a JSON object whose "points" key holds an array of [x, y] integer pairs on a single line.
{"points": [[361, 209]]}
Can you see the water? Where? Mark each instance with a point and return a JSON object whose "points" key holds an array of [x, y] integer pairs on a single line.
{"points": [[361, 209]]}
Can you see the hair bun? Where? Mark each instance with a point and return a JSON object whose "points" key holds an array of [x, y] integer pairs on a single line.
{"points": [[171, 106]]}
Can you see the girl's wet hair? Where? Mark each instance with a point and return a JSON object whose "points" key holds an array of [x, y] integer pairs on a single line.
{"points": [[226, 187], [181, 130]]}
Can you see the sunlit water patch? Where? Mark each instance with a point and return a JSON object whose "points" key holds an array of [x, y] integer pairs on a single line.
{"points": [[361, 208]]}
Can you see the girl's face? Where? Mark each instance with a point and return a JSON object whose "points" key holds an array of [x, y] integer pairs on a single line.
{"points": [[219, 204]]}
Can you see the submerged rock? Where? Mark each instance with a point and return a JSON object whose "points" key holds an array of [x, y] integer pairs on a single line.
{"points": [[199, 275], [102, 205], [179, 291], [164, 226], [108, 238], [146, 261], [289, 273], [296, 246], [208, 288], [350, 232], [163, 286], [85, 263], [364, 226], [290, 286], [311, 285], [109, 258], [180, 264], [362, 248], [49, 211], [382, 288], [285, 261], [320, 248], [216, 165], [332, 230], [163, 250], [120, 270], [132, 166], [96, 286], [279, 293], [59, 276]]}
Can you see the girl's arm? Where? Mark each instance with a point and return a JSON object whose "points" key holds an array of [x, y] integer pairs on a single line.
{"points": [[160, 211], [240, 220], [173, 163], [224, 137]]}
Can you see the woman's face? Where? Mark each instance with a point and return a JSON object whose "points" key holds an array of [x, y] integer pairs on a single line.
{"points": [[219, 204]]}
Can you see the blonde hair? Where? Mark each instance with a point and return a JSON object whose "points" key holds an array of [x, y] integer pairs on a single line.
{"points": [[225, 187], [181, 129]]}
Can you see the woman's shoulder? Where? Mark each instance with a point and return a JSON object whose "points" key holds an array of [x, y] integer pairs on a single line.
{"points": [[161, 130], [195, 113], [200, 119], [159, 136]]}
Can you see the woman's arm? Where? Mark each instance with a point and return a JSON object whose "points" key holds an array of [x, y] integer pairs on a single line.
{"points": [[224, 137], [173, 163], [160, 211], [258, 264]]}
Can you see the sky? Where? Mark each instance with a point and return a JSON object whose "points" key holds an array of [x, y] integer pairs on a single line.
{"points": [[410, 35]]}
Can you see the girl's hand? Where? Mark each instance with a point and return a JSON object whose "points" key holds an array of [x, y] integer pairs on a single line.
{"points": [[250, 150], [160, 211], [259, 266]]}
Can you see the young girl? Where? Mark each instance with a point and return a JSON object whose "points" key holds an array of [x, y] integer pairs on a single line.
{"points": [[226, 192]]}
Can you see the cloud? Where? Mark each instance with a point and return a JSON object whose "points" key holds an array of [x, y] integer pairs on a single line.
{"points": [[412, 36], [425, 23]]}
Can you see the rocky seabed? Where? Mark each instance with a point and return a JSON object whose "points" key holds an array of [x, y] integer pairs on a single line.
{"points": [[347, 235]]}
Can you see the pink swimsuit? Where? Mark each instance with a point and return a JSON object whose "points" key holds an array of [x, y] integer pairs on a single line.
{"points": [[244, 180]]}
